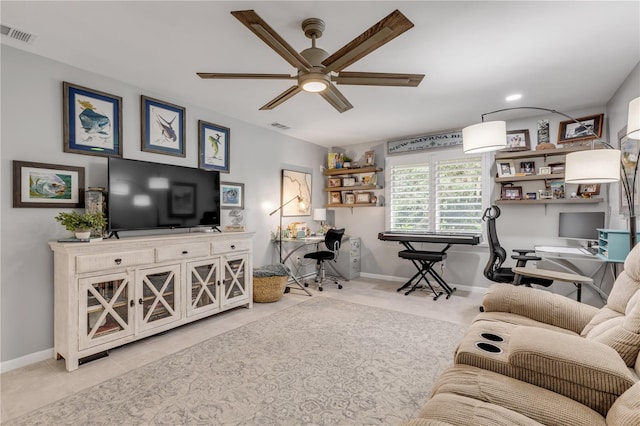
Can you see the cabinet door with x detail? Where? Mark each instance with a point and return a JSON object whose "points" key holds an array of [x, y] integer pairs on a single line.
{"points": [[203, 287], [106, 309], [235, 279], [158, 302]]}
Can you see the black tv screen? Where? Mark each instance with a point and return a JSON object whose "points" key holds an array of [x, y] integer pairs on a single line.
{"points": [[144, 195]]}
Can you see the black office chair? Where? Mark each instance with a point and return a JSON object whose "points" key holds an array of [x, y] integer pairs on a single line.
{"points": [[332, 240], [494, 269]]}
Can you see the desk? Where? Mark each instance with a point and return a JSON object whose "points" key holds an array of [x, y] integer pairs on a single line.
{"points": [[566, 258]]}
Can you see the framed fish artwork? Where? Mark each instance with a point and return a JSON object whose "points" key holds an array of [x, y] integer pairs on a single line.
{"points": [[92, 121], [47, 185], [162, 127], [213, 144]]}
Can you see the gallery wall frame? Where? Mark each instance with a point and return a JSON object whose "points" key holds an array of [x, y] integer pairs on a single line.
{"points": [[162, 127], [47, 185], [214, 144], [294, 184], [570, 131], [92, 121], [231, 195], [518, 140]]}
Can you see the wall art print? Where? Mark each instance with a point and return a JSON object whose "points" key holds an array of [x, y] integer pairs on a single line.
{"points": [[296, 184], [47, 185], [92, 121], [231, 195], [214, 142], [162, 127]]}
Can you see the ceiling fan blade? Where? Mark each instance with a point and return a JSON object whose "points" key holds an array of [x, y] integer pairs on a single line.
{"points": [[336, 98], [241, 75], [260, 28], [384, 31], [378, 79], [287, 94]]}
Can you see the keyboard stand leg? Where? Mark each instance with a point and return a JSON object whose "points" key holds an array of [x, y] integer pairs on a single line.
{"points": [[446, 287], [423, 269], [408, 283]]}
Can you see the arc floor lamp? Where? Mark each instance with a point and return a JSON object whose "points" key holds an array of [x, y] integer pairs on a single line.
{"points": [[582, 167]]}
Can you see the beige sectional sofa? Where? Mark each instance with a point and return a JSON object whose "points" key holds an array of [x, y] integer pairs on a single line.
{"points": [[533, 357]]}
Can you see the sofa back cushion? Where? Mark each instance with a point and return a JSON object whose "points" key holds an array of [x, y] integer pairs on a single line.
{"points": [[618, 323], [626, 410]]}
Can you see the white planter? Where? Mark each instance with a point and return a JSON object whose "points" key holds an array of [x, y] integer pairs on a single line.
{"points": [[83, 234]]}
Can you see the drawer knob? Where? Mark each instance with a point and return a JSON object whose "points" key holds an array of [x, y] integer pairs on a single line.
{"points": [[185, 252], [233, 247], [118, 261]]}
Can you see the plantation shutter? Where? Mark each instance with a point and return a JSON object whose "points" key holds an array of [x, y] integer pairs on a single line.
{"points": [[458, 195], [410, 198]]}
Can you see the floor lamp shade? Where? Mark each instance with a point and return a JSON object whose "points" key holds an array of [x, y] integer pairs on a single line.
{"points": [[633, 122], [593, 166], [485, 136]]}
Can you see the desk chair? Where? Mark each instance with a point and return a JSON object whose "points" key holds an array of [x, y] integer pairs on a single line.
{"points": [[332, 240], [497, 255]]}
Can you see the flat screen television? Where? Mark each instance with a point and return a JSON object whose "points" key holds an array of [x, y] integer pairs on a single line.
{"points": [[580, 225], [145, 195]]}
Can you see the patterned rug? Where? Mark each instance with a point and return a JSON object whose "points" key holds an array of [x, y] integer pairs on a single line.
{"points": [[320, 362]]}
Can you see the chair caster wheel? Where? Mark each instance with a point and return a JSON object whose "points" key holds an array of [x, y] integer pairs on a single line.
{"points": [[339, 286], [319, 288], [306, 284]]}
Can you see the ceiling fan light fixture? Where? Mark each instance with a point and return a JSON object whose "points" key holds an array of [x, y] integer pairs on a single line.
{"points": [[314, 83]]}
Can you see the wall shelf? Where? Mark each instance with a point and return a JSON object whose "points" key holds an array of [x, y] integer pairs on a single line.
{"points": [[350, 171], [549, 201], [544, 152], [553, 176], [332, 206]]}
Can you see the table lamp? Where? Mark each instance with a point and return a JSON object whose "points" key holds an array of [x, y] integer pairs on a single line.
{"points": [[320, 215]]}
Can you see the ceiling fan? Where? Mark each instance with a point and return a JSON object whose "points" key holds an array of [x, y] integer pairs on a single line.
{"points": [[316, 68]]}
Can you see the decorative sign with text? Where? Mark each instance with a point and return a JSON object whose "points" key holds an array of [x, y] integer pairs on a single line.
{"points": [[418, 143]]}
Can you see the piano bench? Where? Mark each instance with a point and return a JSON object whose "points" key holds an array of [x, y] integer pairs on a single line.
{"points": [[428, 256]]}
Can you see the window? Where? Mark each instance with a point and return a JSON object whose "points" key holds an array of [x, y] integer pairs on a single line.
{"points": [[442, 192]]}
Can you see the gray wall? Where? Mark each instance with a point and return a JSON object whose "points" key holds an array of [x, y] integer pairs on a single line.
{"points": [[32, 131]]}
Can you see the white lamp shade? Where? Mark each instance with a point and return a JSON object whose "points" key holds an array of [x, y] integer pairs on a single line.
{"points": [[319, 214], [633, 122], [593, 166], [483, 137]]}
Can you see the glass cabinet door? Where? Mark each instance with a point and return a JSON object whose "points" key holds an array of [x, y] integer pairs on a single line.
{"points": [[235, 281], [203, 283], [158, 302], [106, 313]]}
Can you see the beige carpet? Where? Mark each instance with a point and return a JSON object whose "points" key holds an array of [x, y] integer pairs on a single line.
{"points": [[320, 362]]}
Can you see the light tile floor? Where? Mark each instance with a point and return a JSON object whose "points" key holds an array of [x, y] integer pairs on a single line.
{"points": [[33, 386]]}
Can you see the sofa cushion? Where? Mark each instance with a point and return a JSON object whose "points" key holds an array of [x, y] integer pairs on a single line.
{"points": [[626, 410], [534, 402]]}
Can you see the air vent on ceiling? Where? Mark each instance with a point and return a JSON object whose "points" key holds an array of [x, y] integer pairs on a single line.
{"points": [[17, 34], [280, 126]]}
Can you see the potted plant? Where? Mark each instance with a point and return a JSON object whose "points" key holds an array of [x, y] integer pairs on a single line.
{"points": [[346, 161], [81, 224]]}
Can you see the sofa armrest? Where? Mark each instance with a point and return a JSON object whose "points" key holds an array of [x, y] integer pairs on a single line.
{"points": [[570, 359], [539, 305]]}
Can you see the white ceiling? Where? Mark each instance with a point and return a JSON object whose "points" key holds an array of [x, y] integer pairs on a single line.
{"points": [[561, 55]]}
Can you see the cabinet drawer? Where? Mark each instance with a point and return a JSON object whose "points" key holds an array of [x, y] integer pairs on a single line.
{"points": [[182, 251], [99, 262], [230, 246]]}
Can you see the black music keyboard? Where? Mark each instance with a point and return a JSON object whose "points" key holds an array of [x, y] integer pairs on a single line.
{"points": [[430, 237]]}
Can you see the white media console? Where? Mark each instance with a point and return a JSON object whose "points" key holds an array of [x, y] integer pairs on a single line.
{"points": [[116, 291]]}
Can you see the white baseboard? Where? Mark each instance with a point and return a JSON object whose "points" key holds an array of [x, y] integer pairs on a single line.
{"points": [[23, 361], [403, 279]]}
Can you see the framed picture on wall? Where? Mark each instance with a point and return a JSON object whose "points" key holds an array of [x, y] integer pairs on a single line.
{"points": [[231, 195], [518, 140], [214, 146], [570, 131], [92, 121], [296, 185], [47, 185], [162, 127]]}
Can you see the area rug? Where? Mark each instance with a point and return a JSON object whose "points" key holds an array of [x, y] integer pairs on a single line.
{"points": [[321, 362]]}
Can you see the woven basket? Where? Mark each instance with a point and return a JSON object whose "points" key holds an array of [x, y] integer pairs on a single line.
{"points": [[268, 289]]}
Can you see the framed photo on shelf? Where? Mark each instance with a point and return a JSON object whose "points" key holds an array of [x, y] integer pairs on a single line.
{"points": [[162, 127], [47, 185], [506, 168], [512, 193], [369, 157], [348, 182], [334, 182], [349, 198], [570, 131], [557, 189], [545, 170], [231, 195], [363, 197], [214, 146], [556, 168], [545, 194], [92, 121], [588, 190], [528, 167], [518, 140], [530, 196], [335, 197]]}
